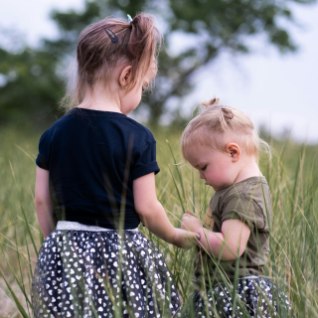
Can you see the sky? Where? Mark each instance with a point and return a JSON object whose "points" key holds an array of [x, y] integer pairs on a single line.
{"points": [[276, 90]]}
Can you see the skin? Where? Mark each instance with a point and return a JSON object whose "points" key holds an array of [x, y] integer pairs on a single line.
{"points": [[43, 201], [220, 169], [150, 210]]}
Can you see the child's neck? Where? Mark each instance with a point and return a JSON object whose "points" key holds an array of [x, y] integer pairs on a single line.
{"points": [[97, 106], [100, 98], [249, 169]]}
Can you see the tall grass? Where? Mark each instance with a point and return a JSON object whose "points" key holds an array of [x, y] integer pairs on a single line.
{"points": [[292, 174], [18, 230]]}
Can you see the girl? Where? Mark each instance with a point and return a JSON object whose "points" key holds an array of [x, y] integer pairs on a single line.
{"points": [[222, 144], [95, 175]]}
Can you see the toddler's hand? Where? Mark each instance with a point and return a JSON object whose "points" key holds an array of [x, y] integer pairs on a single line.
{"points": [[190, 222], [184, 238]]}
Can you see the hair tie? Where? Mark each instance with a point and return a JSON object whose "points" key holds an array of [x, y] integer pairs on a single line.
{"points": [[113, 37], [129, 18], [227, 113], [214, 102]]}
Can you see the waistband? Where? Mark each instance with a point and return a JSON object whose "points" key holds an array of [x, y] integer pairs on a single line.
{"points": [[250, 277], [75, 226]]}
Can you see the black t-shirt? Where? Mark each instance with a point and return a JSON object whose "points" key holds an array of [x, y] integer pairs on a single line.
{"points": [[93, 157]]}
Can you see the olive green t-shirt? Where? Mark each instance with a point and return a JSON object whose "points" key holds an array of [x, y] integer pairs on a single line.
{"points": [[250, 202]]}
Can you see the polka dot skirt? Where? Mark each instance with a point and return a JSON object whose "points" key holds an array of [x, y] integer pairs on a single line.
{"points": [[102, 274], [254, 297]]}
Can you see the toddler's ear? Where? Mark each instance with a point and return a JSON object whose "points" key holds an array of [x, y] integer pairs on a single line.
{"points": [[234, 151], [125, 76]]}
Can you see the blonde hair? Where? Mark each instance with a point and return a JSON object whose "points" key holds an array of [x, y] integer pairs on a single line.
{"points": [[216, 126], [105, 43]]}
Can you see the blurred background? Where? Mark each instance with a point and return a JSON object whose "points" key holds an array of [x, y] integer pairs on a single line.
{"points": [[259, 56]]}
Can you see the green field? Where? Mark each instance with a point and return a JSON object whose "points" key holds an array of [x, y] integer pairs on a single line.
{"points": [[292, 172]]}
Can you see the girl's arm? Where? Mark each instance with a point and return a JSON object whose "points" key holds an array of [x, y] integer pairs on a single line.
{"points": [[43, 201], [229, 244], [153, 214]]}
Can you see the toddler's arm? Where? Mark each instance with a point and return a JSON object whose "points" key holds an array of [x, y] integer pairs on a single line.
{"points": [[43, 202], [154, 216], [229, 244]]}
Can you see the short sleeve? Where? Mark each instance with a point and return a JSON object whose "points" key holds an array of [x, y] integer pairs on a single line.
{"points": [[243, 208], [145, 161], [42, 159]]}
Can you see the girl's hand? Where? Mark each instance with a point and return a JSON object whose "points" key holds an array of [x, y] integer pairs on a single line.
{"points": [[184, 238], [190, 222]]}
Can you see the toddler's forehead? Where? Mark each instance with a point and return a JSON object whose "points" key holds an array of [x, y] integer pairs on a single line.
{"points": [[194, 149]]}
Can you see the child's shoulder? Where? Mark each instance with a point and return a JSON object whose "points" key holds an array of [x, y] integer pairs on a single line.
{"points": [[76, 119], [249, 188], [250, 184], [138, 125], [135, 127], [55, 125]]}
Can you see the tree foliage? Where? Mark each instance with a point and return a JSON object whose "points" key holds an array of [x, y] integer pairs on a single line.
{"points": [[32, 79]]}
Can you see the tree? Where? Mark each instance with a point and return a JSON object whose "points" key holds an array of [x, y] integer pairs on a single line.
{"points": [[30, 85], [208, 28]]}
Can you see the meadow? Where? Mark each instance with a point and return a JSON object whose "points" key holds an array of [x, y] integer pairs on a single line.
{"points": [[292, 172]]}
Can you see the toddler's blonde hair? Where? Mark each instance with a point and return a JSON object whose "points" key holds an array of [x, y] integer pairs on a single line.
{"points": [[217, 125]]}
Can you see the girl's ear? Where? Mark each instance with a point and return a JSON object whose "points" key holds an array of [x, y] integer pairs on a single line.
{"points": [[234, 151], [125, 76]]}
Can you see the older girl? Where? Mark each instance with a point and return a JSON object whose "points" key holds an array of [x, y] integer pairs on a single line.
{"points": [[95, 175]]}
